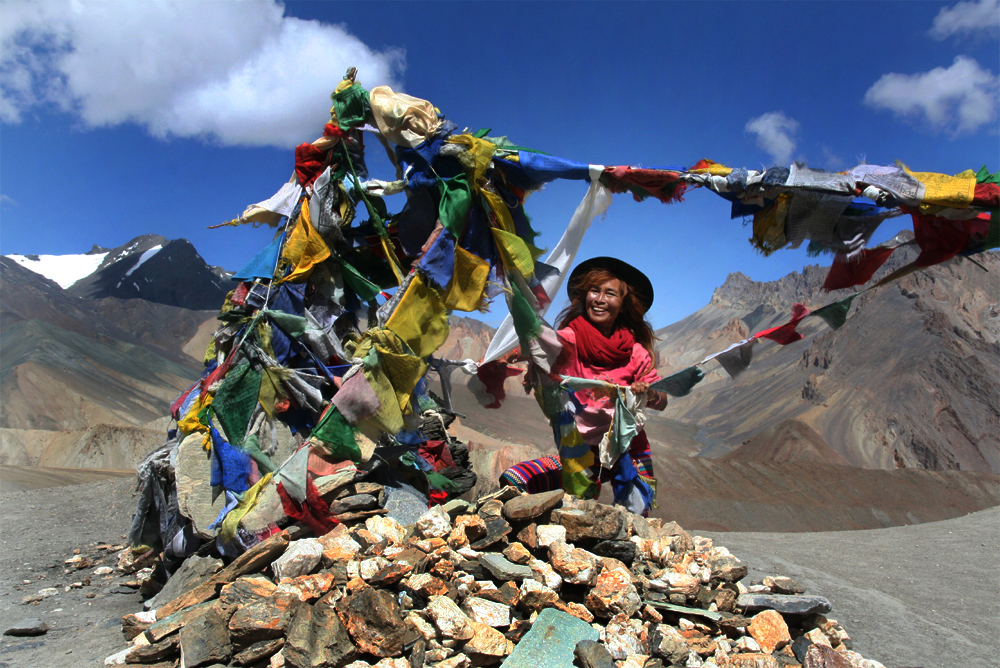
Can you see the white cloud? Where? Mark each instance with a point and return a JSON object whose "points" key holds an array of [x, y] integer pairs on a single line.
{"points": [[237, 73], [8, 200], [775, 134], [960, 98], [966, 18]]}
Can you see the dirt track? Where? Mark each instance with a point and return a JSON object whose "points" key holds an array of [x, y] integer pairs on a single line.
{"points": [[925, 595]]}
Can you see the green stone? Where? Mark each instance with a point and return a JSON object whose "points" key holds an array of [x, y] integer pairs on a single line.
{"points": [[551, 641]]}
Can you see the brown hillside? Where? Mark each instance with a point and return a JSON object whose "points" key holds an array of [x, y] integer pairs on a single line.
{"points": [[788, 441]]}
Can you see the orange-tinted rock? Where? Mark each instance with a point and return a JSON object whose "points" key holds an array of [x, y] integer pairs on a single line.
{"points": [[373, 619], [750, 660], [246, 589], [768, 628], [265, 619]]}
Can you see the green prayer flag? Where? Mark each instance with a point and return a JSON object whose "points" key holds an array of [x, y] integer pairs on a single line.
{"points": [[679, 384], [835, 314], [234, 402], [292, 325], [364, 288], [526, 322], [456, 201], [252, 447], [337, 435], [984, 176], [439, 482], [352, 106]]}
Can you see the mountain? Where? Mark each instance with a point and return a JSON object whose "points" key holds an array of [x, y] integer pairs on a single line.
{"points": [[912, 380], [157, 270], [68, 362]]}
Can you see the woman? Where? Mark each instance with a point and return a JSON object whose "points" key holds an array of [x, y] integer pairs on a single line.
{"points": [[605, 337]]}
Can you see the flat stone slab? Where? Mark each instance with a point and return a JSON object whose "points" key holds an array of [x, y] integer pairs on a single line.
{"points": [[792, 605], [530, 506], [27, 627], [551, 641], [502, 569]]}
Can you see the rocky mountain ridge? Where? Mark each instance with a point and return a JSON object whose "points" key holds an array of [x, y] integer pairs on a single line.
{"points": [[910, 381]]}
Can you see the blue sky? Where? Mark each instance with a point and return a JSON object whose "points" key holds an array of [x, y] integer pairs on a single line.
{"points": [[126, 119]]}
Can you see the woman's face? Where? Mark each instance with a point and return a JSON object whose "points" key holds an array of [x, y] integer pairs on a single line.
{"points": [[603, 303]]}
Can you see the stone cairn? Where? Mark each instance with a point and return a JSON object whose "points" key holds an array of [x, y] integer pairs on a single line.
{"points": [[523, 580]]}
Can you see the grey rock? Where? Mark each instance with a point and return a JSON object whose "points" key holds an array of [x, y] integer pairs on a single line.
{"points": [[403, 501], [593, 654], [551, 641], [791, 605], [27, 627], [593, 521], [502, 569], [258, 651], [496, 529], [530, 506], [205, 640], [624, 551], [160, 651], [192, 573], [318, 638]]}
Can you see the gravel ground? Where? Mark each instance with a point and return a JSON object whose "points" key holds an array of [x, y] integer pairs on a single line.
{"points": [[39, 529], [926, 595]]}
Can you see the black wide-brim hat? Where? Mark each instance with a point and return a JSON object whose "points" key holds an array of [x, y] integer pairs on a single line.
{"points": [[638, 281]]}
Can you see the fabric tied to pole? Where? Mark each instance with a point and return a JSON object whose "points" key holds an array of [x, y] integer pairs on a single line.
{"points": [[420, 319], [337, 435], [263, 263], [230, 466], [249, 501], [314, 512], [356, 400], [304, 250], [595, 203], [294, 473], [468, 282], [235, 400], [456, 201]]}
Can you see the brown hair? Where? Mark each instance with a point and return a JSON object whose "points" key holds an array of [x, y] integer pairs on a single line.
{"points": [[631, 316]]}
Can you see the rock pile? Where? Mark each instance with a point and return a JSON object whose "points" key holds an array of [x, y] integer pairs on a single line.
{"points": [[529, 581]]}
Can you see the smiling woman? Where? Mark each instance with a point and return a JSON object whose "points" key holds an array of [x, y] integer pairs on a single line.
{"points": [[605, 337]]}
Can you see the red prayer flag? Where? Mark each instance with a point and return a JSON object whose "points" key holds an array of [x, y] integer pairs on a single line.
{"points": [[847, 272], [785, 334]]}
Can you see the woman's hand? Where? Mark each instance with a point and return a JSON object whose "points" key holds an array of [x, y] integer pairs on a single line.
{"points": [[656, 400]]}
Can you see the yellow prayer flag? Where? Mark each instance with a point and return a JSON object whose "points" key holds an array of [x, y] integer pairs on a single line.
{"points": [[769, 226], [500, 210], [246, 504], [477, 158], [514, 252], [420, 318], [304, 249], [465, 289], [943, 190], [714, 168], [577, 464]]}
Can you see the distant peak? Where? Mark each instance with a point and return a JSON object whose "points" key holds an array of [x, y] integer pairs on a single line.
{"points": [[97, 250]]}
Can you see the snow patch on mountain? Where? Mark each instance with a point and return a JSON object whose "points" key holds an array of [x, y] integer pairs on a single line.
{"points": [[63, 269], [142, 258]]}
